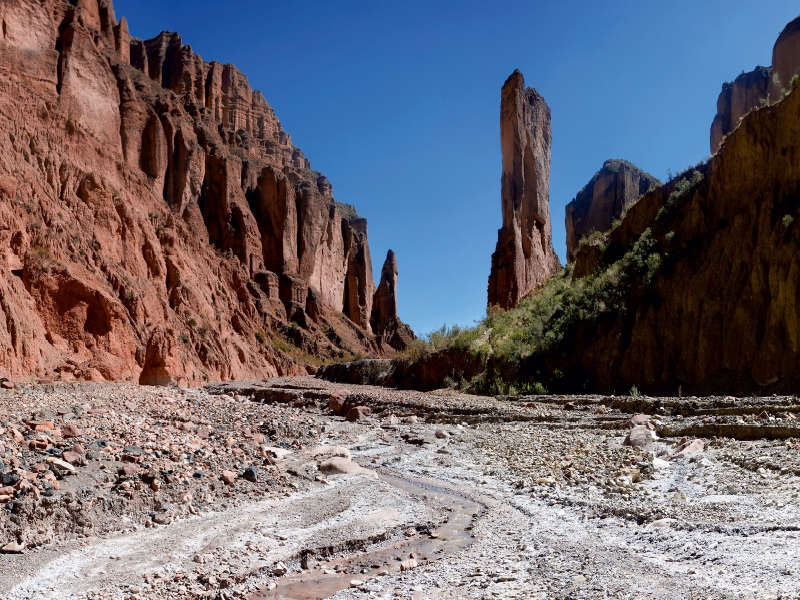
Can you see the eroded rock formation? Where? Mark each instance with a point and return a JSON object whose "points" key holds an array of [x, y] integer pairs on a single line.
{"points": [[385, 321], [763, 84], [158, 224], [721, 312], [614, 188], [524, 256]]}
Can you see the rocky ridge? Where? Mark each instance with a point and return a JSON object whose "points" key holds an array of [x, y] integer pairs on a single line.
{"points": [[524, 256], [760, 86], [606, 198], [159, 225]]}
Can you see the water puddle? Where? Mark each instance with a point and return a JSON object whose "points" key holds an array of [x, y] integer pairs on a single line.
{"points": [[451, 537]]}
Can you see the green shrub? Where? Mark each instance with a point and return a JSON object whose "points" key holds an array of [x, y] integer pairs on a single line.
{"points": [[260, 337], [192, 323], [668, 237], [787, 219], [635, 393]]}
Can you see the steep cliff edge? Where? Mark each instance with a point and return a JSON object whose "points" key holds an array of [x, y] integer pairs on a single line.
{"points": [[524, 256], [695, 290], [607, 196], [763, 85], [158, 224]]}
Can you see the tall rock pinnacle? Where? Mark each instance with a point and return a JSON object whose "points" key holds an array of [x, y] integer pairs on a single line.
{"points": [[524, 256], [384, 319]]}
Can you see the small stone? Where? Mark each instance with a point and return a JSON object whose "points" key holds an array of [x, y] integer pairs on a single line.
{"points": [[569, 406], [250, 474], [228, 477], [337, 401], [441, 434], [14, 548], [600, 410], [358, 413], [355, 583], [688, 448], [279, 569], [578, 581], [7, 385], [198, 559], [409, 564], [71, 457], [679, 497], [411, 420], [639, 437], [129, 470], [62, 466], [70, 430]]}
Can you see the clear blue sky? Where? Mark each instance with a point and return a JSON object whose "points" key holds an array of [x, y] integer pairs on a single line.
{"points": [[398, 104]]}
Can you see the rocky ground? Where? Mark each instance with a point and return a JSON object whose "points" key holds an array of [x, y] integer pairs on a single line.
{"points": [[260, 490]]}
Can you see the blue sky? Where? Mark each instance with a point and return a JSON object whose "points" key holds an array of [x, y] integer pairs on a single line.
{"points": [[398, 104]]}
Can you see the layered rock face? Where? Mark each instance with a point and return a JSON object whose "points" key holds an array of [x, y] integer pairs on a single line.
{"points": [[721, 314], [158, 224], [609, 194], [750, 90], [524, 256], [384, 320]]}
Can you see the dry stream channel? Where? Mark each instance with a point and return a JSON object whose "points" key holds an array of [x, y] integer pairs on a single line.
{"points": [[467, 497]]}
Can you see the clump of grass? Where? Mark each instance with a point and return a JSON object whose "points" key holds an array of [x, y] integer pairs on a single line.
{"points": [[260, 337], [787, 221], [635, 393]]}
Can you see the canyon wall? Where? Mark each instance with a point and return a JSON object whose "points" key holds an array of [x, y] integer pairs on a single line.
{"points": [[719, 313], [760, 86], [524, 256], [607, 196], [158, 224]]}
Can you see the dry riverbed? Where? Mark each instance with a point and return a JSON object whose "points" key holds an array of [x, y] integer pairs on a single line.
{"points": [[260, 490]]}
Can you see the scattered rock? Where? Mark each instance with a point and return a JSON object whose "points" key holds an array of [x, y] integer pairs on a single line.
{"points": [[639, 437], [358, 413]]}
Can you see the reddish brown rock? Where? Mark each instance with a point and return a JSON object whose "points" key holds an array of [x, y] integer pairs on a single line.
{"points": [[736, 100], [358, 413], [524, 256], [785, 60], [762, 85], [639, 437], [70, 430], [385, 321], [163, 204], [613, 189], [337, 401]]}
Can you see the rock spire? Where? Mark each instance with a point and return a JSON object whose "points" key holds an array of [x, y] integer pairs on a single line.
{"points": [[524, 256]]}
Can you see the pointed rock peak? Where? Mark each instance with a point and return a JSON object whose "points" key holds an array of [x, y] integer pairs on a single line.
{"points": [[389, 265], [611, 191], [524, 256]]}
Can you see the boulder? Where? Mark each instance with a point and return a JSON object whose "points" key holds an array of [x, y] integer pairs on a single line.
{"points": [[639, 437]]}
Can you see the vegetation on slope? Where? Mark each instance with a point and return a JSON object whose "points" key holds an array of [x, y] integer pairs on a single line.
{"points": [[524, 349]]}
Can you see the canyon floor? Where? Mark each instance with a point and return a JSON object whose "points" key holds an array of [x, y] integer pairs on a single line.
{"points": [[258, 490]]}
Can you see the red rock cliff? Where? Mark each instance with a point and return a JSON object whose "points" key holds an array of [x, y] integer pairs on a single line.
{"points": [[763, 84], [524, 256], [158, 224]]}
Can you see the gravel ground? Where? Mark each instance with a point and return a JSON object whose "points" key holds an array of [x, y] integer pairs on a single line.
{"points": [[232, 490]]}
